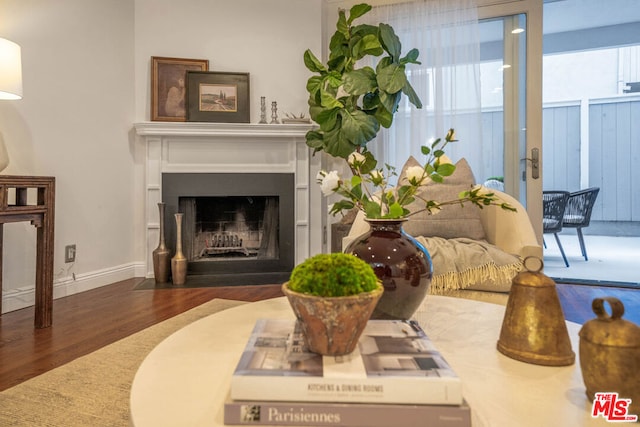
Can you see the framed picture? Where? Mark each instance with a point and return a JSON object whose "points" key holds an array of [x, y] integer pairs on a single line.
{"points": [[217, 97], [168, 86]]}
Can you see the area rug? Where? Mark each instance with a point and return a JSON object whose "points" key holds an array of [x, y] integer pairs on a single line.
{"points": [[93, 390]]}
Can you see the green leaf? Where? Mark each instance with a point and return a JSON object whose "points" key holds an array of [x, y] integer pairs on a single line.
{"points": [[329, 101], [390, 41], [357, 11], [314, 140], [314, 84], [358, 127], [384, 117], [408, 90], [336, 145], [369, 164], [355, 180], [395, 211], [411, 57], [342, 26], [367, 45], [313, 63], [370, 101], [446, 169], [436, 178], [372, 209], [392, 78], [390, 101], [425, 150], [341, 205], [360, 81], [356, 192], [327, 119]]}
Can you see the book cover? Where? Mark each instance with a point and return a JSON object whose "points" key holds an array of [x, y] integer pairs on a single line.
{"points": [[345, 414], [395, 362]]}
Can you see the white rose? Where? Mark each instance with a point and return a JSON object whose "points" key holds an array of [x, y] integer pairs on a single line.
{"points": [[415, 174], [355, 158], [330, 183], [320, 175]]}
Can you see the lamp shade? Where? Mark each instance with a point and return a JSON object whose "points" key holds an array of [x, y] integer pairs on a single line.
{"points": [[10, 70]]}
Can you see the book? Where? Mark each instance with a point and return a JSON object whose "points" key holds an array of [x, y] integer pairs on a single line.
{"points": [[345, 414], [394, 362]]}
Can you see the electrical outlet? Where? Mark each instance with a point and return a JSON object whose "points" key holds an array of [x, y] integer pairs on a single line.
{"points": [[69, 253]]}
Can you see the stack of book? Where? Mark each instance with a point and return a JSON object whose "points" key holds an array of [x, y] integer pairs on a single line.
{"points": [[396, 377]]}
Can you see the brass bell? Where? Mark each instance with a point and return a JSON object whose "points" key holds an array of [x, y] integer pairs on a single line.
{"points": [[534, 328], [610, 353]]}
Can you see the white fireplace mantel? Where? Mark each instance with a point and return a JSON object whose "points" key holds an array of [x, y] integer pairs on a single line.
{"points": [[195, 147]]}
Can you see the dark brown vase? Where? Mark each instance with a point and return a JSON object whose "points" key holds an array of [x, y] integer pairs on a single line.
{"points": [[161, 255], [400, 262]]}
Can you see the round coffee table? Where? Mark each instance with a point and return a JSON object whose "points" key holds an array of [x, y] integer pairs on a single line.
{"points": [[185, 380]]}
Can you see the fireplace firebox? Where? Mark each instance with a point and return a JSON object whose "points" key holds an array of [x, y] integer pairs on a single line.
{"points": [[237, 228]]}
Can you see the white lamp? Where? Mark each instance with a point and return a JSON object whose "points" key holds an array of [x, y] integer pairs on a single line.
{"points": [[10, 83], [10, 70]]}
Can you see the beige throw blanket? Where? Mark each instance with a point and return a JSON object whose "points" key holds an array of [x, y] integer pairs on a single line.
{"points": [[459, 263]]}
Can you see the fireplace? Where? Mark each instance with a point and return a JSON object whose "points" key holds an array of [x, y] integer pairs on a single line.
{"points": [[208, 159], [236, 226]]}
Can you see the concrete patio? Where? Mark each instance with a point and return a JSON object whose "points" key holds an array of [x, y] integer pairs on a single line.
{"points": [[612, 260]]}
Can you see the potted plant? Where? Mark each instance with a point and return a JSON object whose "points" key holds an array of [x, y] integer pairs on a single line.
{"points": [[332, 296], [350, 104]]}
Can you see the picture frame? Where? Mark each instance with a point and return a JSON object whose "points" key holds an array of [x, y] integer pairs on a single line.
{"points": [[168, 86], [214, 96]]}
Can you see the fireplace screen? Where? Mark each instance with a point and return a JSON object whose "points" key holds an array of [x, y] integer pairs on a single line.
{"points": [[228, 228]]}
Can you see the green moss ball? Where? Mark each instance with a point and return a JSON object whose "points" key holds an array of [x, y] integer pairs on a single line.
{"points": [[333, 275]]}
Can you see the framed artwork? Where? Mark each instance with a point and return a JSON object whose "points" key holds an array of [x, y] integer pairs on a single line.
{"points": [[168, 86], [217, 97]]}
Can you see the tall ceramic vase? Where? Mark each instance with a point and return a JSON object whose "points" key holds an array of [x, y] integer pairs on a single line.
{"points": [[161, 255], [179, 261], [400, 262]]}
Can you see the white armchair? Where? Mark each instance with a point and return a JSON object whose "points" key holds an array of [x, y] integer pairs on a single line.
{"points": [[509, 231]]}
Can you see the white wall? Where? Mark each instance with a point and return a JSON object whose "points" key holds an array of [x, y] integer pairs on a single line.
{"points": [[86, 81]]}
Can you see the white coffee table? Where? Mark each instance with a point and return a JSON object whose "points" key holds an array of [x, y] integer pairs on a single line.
{"points": [[184, 381]]}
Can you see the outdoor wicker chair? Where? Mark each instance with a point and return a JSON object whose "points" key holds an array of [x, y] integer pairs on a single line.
{"points": [[578, 213], [554, 204]]}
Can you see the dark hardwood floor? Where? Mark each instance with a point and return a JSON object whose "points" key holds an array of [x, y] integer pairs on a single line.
{"points": [[85, 322]]}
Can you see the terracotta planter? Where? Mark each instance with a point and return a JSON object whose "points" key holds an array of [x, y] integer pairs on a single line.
{"points": [[332, 325]]}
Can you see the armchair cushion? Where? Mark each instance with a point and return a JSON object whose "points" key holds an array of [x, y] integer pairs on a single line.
{"points": [[453, 220]]}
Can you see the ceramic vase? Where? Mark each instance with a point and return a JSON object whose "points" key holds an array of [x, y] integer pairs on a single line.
{"points": [[179, 261], [161, 255], [400, 262]]}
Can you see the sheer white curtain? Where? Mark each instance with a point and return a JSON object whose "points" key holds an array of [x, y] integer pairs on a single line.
{"points": [[448, 81]]}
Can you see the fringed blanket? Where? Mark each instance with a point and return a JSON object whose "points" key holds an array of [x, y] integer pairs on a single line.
{"points": [[460, 263]]}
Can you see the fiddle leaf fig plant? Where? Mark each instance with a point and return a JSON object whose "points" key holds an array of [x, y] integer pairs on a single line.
{"points": [[350, 104]]}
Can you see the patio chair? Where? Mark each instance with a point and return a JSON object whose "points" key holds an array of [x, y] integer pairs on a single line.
{"points": [[578, 213], [554, 204]]}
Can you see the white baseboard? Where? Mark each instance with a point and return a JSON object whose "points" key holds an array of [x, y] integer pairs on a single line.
{"points": [[16, 299]]}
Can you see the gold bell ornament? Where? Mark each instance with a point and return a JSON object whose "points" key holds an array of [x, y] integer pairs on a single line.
{"points": [[534, 328], [610, 353]]}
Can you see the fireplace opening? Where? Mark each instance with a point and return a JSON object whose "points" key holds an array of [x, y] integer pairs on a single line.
{"points": [[231, 228], [237, 229]]}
